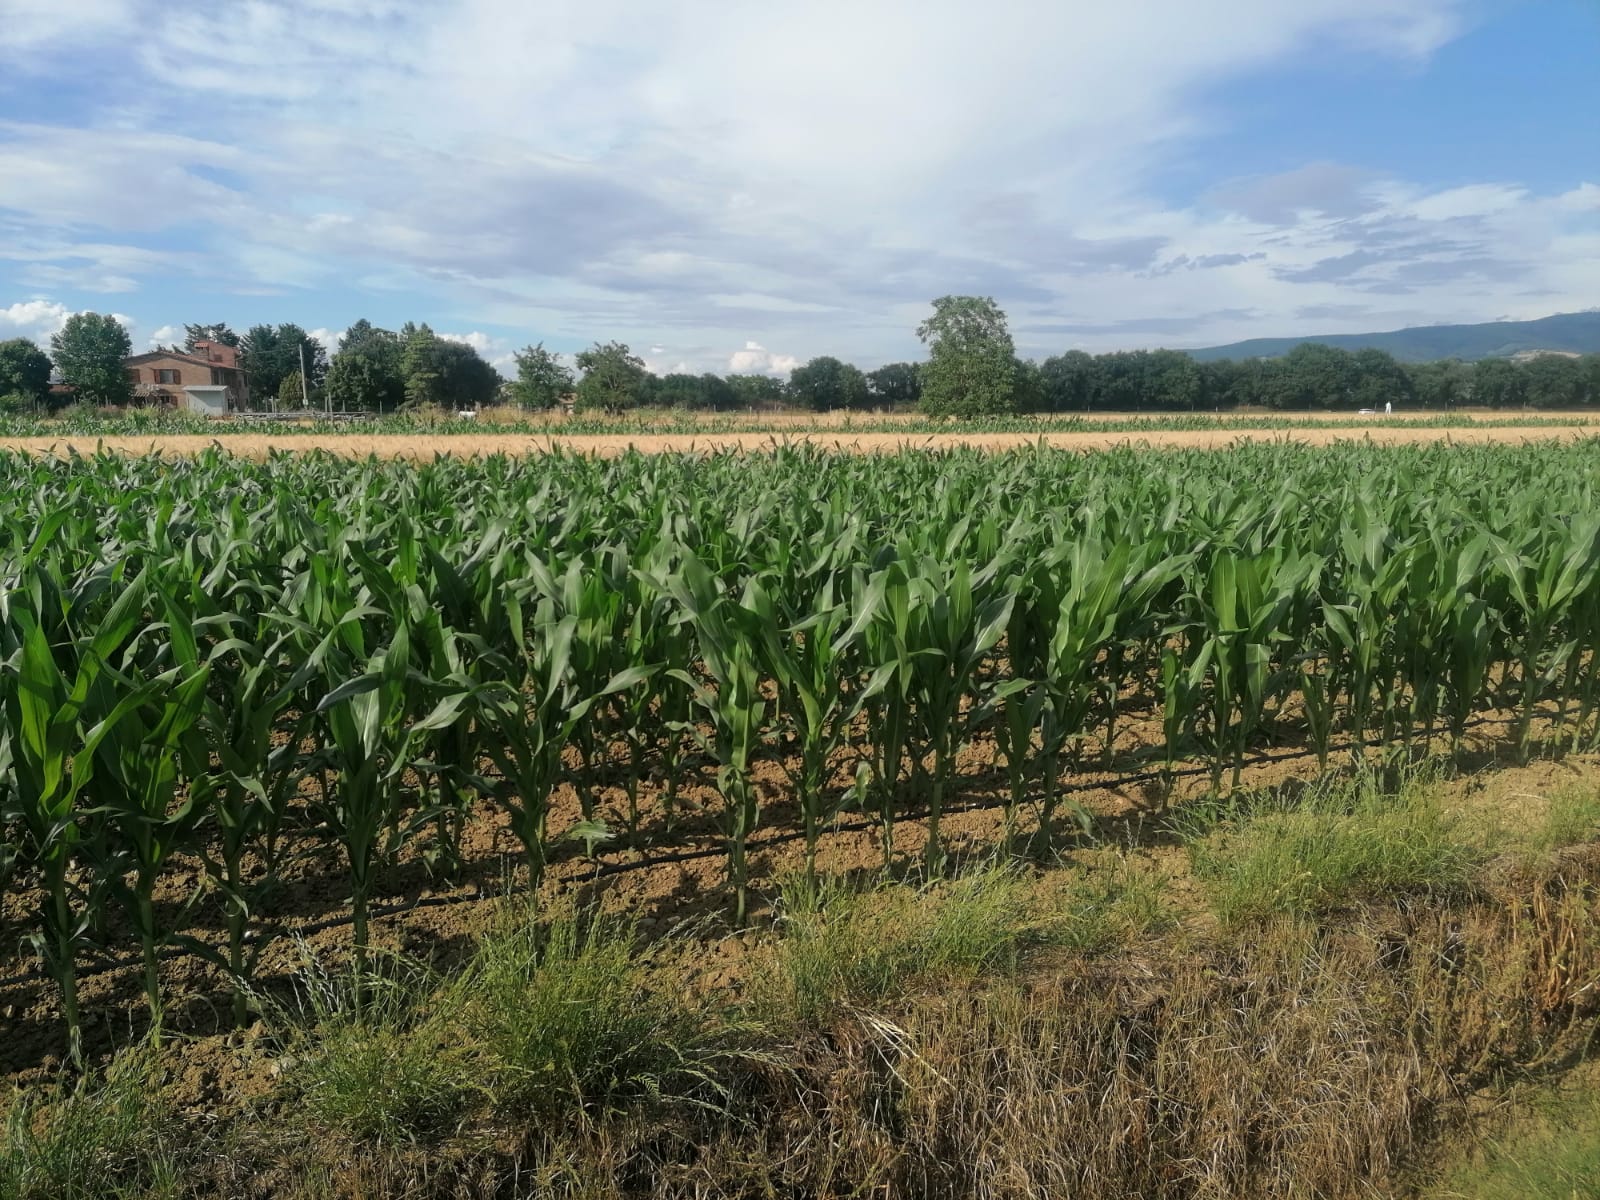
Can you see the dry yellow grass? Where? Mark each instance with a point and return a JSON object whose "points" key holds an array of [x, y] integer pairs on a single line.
{"points": [[426, 446]]}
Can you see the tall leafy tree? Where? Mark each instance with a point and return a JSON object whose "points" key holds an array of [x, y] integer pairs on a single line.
{"points": [[752, 391], [614, 378], [366, 375], [826, 383], [542, 378], [89, 352], [1312, 375], [464, 379], [1377, 379], [716, 393], [971, 368], [268, 353], [218, 332], [292, 392], [419, 364], [24, 372], [1498, 383], [1028, 389], [682, 390], [1172, 381], [1554, 381], [1068, 381], [1443, 383], [895, 384]]}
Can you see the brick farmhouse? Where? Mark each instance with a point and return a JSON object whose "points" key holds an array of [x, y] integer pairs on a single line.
{"points": [[204, 380]]}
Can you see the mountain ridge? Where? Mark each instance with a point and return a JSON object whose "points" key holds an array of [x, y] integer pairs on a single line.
{"points": [[1577, 332]]}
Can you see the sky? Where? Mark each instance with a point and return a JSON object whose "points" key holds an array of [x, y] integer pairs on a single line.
{"points": [[741, 185]]}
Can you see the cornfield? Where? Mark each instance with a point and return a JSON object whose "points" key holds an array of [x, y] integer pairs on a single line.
{"points": [[227, 662]]}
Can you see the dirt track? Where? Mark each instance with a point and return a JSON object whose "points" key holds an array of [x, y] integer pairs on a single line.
{"points": [[425, 446]]}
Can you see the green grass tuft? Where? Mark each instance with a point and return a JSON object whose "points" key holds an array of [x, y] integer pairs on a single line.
{"points": [[1110, 907], [101, 1138], [572, 1021], [1572, 819], [1552, 1152], [842, 947], [1333, 846], [384, 1069]]}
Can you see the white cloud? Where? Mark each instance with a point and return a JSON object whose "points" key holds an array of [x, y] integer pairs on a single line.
{"points": [[756, 359], [32, 24], [495, 351], [481, 342], [168, 335], [569, 171], [33, 319]]}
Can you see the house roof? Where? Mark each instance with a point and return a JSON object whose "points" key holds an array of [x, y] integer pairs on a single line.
{"points": [[138, 359]]}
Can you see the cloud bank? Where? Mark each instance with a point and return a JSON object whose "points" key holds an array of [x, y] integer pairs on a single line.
{"points": [[712, 178]]}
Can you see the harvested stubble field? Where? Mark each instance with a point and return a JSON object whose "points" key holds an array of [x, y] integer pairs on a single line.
{"points": [[422, 446], [1155, 823]]}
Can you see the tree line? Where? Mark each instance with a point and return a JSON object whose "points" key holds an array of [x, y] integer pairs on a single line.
{"points": [[971, 370]]}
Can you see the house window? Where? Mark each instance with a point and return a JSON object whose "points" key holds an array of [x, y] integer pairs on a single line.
{"points": [[165, 376]]}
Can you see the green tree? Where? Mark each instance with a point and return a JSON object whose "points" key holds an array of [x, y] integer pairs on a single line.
{"points": [[716, 394], [464, 379], [419, 364], [681, 390], [24, 371], [1311, 375], [268, 353], [895, 385], [291, 392], [366, 374], [1120, 381], [1172, 381], [542, 378], [215, 332], [1067, 381], [1498, 383], [1219, 379], [1554, 381], [89, 352], [826, 383], [1443, 383], [755, 391], [1028, 394], [614, 378], [1589, 371], [1378, 379], [971, 368]]}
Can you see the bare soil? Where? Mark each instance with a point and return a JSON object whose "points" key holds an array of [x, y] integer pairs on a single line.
{"points": [[669, 873]]}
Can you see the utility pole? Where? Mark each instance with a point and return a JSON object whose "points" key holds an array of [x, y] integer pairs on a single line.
{"points": [[305, 380]]}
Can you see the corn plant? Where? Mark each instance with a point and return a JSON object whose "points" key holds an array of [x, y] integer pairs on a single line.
{"points": [[1556, 564], [371, 719], [133, 792], [55, 730], [730, 699]]}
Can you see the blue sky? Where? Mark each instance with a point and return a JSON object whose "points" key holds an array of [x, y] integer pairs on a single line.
{"points": [[735, 186]]}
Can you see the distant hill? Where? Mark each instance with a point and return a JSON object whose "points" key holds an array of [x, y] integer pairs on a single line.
{"points": [[1575, 332]]}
